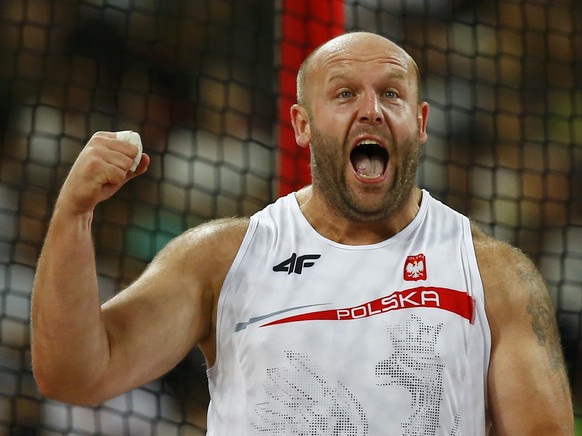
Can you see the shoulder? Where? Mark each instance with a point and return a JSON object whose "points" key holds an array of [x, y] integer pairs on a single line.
{"points": [[513, 286], [505, 268], [209, 247], [503, 264], [493, 254], [218, 229], [221, 235]]}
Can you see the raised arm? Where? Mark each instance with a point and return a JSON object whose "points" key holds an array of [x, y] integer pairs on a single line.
{"points": [[84, 353], [528, 389]]}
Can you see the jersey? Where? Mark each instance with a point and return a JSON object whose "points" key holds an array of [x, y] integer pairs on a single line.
{"points": [[315, 337]]}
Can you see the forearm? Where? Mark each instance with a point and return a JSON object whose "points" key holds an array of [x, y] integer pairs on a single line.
{"points": [[69, 343]]}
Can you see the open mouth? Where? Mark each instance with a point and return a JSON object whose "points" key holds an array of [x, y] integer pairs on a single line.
{"points": [[369, 160]]}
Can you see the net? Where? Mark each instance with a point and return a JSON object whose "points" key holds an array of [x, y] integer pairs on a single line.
{"points": [[505, 126], [196, 79]]}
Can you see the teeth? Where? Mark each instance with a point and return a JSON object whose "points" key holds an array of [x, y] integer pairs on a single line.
{"points": [[367, 142]]}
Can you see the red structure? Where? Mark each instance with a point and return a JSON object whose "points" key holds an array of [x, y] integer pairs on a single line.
{"points": [[306, 24]]}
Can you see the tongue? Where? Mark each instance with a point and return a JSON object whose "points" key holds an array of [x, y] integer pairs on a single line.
{"points": [[368, 166]]}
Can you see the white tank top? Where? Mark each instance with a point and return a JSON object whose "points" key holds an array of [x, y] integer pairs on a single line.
{"points": [[320, 338]]}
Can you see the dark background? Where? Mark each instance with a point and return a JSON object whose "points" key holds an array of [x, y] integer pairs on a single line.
{"points": [[199, 80]]}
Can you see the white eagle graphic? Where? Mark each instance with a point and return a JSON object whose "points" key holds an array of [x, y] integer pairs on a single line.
{"points": [[415, 269]]}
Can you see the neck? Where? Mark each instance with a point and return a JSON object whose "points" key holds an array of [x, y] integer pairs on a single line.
{"points": [[331, 225]]}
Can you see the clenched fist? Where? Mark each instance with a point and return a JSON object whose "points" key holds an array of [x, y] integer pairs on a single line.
{"points": [[101, 169]]}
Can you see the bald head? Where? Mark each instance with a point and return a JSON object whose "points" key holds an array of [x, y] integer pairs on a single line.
{"points": [[347, 45]]}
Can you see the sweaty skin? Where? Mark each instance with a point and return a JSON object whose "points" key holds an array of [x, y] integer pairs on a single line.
{"points": [[359, 90]]}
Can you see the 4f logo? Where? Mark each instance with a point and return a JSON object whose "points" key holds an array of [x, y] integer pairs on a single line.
{"points": [[295, 264]]}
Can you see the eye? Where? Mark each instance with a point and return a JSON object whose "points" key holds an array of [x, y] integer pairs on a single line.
{"points": [[345, 94], [390, 94]]}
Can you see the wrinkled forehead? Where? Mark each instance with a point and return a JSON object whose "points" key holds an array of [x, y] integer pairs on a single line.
{"points": [[360, 50], [361, 47]]}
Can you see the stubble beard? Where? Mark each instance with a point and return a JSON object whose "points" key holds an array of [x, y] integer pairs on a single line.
{"points": [[328, 169]]}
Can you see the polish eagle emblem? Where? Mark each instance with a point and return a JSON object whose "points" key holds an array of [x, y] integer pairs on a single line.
{"points": [[415, 268]]}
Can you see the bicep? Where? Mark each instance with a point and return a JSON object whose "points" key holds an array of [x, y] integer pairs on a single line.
{"points": [[170, 308], [527, 386], [153, 323]]}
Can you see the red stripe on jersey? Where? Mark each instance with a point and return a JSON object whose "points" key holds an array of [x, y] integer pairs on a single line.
{"points": [[458, 302]]}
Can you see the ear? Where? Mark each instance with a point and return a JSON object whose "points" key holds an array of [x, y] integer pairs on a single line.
{"points": [[422, 120], [300, 121]]}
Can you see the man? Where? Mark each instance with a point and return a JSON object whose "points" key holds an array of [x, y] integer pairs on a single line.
{"points": [[358, 305]]}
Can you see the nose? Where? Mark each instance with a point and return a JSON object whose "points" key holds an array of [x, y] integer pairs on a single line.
{"points": [[370, 109]]}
